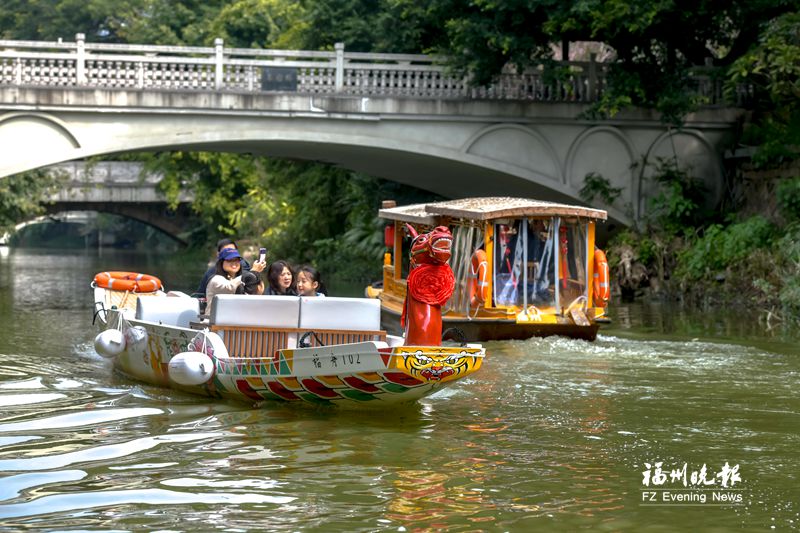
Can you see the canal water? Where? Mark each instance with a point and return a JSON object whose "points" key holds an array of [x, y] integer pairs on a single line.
{"points": [[551, 434]]}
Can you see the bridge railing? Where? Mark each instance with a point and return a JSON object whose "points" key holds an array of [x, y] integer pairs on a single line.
{"points": [[130, 66]]}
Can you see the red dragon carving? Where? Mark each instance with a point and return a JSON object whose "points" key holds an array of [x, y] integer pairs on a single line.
{"points": [[430, 284]]}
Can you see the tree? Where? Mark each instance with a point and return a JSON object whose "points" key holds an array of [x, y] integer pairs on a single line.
{"points": [[657, 43], [772, 69], [22, 196], [261, 24], [49, 20]]}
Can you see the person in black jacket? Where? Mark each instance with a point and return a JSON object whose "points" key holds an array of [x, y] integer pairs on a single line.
{"points": [[280, 277]]}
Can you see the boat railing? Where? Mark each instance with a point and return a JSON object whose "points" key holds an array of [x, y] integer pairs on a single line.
{"points": [[392, 285], [258, 326], [250, 341]]}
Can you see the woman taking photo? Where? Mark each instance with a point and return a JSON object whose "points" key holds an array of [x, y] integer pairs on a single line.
{"points": [[227, 275]]}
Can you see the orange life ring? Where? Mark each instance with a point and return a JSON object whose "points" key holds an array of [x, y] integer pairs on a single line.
{"points": [[478, 285], [127, 281], [602, 288]]}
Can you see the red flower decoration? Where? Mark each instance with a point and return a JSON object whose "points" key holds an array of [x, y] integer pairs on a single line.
{"points": [[431, 284]]}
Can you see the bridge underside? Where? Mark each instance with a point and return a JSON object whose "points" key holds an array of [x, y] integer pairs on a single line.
{"points": [[448, 177], [175, 223], [454, 148]]}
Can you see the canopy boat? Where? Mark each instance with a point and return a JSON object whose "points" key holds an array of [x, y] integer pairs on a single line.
{"points": [[319, 350], [522, 267]]}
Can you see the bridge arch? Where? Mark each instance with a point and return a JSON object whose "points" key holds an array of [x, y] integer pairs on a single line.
{"points": [[453, 148], [604, 150], [692, 151], [446, 170], [516, 145], [399, 116], [38, 129], [172, 224]]}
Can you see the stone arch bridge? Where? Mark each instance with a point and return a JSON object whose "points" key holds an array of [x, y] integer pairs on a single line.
{"points": [[120, 188], [398, 117]]}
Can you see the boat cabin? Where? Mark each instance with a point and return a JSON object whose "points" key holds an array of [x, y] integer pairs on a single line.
{"points": [[515, 260]]}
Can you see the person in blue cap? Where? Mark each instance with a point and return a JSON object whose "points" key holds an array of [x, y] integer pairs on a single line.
{"points": [[227, 275], [225, 244]]}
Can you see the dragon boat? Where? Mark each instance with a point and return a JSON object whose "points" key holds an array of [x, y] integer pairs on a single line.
{"points": [[321, 350], [522, 267]]}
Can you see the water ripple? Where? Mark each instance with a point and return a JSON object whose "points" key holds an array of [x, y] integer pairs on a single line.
{"points": [[14, 485], [550, 434], [97, 453], [62, 503], [28, 399], [74, 420]]}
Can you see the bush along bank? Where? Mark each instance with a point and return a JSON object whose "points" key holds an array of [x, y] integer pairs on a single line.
{"points": [[747, 256]]}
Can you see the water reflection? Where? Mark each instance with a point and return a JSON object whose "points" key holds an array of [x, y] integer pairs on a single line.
{"points": [[552, 433]]}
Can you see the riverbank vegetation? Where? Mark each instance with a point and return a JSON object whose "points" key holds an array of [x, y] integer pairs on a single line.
{"points": [[748, 251], [745, 250]]}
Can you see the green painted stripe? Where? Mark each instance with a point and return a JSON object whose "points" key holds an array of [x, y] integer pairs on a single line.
{"points": [[357, 395], [313, 398], [392, 387], [269, 395]]}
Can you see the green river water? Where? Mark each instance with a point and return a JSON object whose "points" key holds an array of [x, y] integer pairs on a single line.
{"points": [[551, 434]]}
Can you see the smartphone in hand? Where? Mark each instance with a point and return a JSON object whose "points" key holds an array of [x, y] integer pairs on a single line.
{"points": [[262, 254]]}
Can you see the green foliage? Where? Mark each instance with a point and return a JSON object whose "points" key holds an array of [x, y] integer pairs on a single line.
{"points": [[22, 196], [241, 23], [772, 69], [788, 252], [220, 182], [774, 274], [788, 194], [261, 24], [656, 42], [721, 247], [596, 186], [334, 224], [392, 26], [645, 246], [680, 202], [53, 19], [303, 212], [772, 64]]}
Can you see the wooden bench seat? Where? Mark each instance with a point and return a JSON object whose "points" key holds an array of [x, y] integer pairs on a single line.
{"points": [[248, 341], [257, 326]]}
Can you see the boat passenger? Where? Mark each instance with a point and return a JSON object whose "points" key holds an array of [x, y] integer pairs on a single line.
{"points": [[226, 244], [252, 283], [227, 277], [281, 279], [308, 282]]}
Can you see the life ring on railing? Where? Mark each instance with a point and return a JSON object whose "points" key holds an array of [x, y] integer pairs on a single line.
{"points": [[127, 281], [478, 285], [602, 288]]}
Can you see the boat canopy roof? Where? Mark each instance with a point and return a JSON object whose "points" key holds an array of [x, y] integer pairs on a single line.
{"points": [[487, 208]]}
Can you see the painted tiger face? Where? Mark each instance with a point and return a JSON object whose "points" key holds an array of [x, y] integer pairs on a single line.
{"points": [[438, 367]]}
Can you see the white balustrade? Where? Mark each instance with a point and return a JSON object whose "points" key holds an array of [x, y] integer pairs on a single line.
{"points": [[121, 66]]}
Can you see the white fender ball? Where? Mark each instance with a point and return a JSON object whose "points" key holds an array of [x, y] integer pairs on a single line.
{"points": [[135, 335], [191, 368], [109, 343]]}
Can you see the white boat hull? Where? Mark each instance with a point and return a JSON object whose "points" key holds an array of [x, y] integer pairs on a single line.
{"points": [[358, 374]]}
